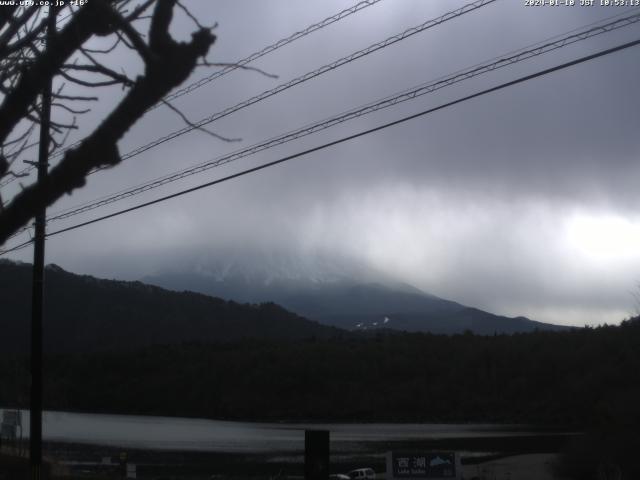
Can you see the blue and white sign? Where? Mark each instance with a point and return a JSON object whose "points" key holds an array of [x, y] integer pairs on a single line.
{"points": [[423, 465]]}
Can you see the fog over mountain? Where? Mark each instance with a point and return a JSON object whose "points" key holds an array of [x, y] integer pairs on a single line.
{"points": [[332, 290], [521, 202]]}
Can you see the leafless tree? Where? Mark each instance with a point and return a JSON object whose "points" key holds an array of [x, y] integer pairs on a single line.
{"points": [[30, 57]]}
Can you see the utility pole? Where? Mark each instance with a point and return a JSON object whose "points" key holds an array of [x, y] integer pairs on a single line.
{"points": [[35, 425]]}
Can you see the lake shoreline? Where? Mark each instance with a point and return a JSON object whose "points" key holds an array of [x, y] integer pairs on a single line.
{"points": [[171, 462], [531, 426], [184, 446]]}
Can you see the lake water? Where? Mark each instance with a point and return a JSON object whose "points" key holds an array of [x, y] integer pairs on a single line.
{"points": [[161, 433]]}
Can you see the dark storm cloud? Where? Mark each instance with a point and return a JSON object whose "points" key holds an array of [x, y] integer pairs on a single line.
{"points": [[489, 203]]}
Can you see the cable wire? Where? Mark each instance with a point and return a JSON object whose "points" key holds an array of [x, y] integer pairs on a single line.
{"points": [[344, 139], [390, 101], [296, 81], [310, 75], [232, 67], [281, 43], [301, 79]]}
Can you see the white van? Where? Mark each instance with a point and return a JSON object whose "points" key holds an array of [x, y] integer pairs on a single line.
{"points": [[362, 474]]}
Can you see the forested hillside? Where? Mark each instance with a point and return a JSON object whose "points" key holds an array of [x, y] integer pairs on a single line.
{"points": [[84, 313], [576, 378]]}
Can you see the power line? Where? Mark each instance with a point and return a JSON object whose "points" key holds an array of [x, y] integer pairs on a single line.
{"points": [[276, 140], [310, 75], [281, 43], [406, 95], [298, 80], [232, 67], [342, 61], [17, 247], [344, 139]]}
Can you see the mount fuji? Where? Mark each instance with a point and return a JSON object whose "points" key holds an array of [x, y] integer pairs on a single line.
{"points": [[333, 291]]}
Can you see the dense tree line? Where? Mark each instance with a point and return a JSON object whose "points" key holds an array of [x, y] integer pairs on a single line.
{"points": [[88, 314], [581, 378]]}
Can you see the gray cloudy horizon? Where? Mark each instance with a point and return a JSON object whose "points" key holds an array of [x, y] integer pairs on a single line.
{"points": [[521, 202]]}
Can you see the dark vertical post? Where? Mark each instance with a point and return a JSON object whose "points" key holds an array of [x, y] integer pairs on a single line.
{"points": [[37, 294], [316, 454]]}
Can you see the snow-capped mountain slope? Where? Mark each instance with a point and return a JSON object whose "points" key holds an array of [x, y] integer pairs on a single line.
{"points": [[334, 291]]}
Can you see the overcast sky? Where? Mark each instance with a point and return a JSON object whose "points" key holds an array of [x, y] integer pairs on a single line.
{"points": [[521, 202]]}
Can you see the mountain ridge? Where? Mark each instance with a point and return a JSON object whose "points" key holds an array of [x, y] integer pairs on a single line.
{"points": [[85, 313], [349, 296]]}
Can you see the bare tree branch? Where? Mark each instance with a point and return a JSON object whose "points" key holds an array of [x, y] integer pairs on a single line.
{"points": [[89, 20], [15, 24], [168, 63], [205, 63], [115, 76], [199, 128]]}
